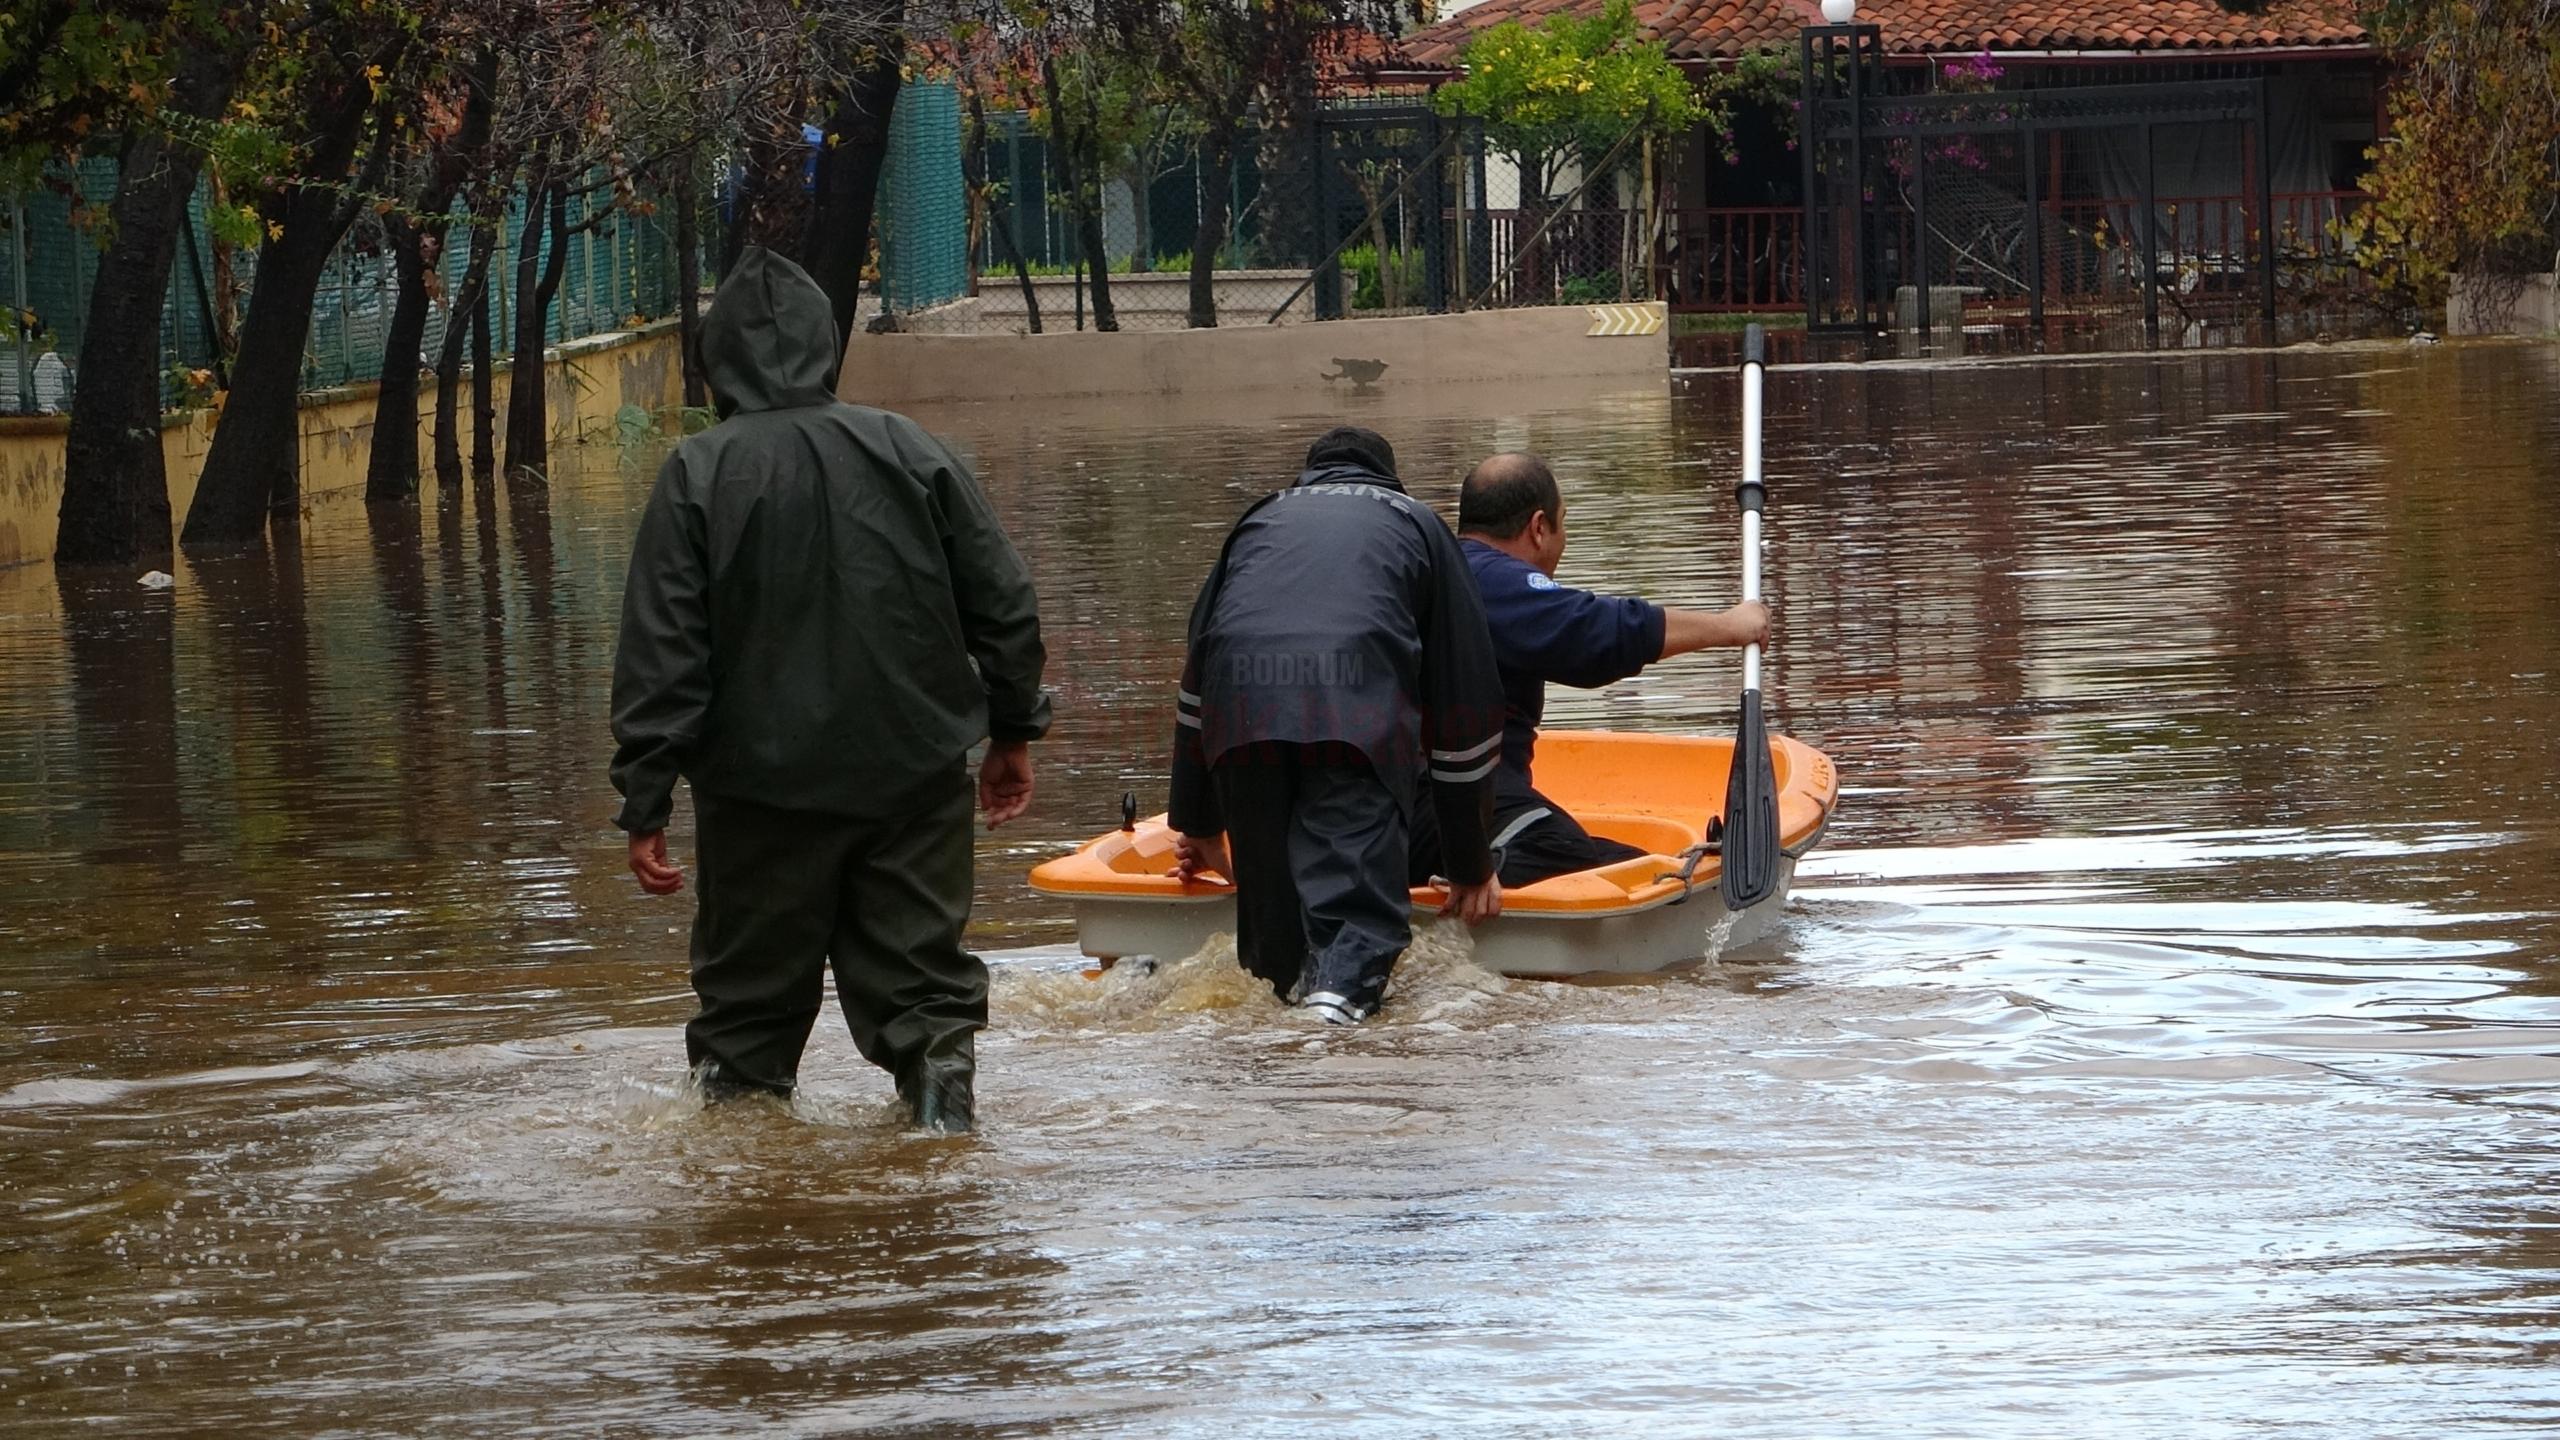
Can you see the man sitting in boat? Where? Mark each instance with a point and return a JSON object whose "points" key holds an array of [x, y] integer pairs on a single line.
{"points": [[1511, 527], [1337, 654]]}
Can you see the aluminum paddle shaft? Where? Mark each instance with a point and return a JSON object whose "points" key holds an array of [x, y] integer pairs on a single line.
{"points": [[1750, 845], [1750, 493]]}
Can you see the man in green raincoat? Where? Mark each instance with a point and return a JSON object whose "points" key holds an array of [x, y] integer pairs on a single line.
{"points": [[822, 617]]}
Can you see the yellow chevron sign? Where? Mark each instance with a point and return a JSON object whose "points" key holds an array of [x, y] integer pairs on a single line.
{"points": [[1625, 319]]}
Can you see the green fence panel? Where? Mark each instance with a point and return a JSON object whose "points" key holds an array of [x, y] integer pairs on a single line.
{"points": [[619, 273], [924, 208]]}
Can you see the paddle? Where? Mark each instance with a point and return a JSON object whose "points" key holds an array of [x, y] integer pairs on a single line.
{"points": [[1751, 792]]}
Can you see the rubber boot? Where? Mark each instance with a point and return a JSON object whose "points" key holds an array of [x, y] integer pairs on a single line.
{"points": [[718, 1086], [947, 1103], [1345, 982], [941, 1090]]}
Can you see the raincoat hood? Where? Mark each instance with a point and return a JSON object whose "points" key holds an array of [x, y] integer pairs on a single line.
{"points": [[770, 341]]}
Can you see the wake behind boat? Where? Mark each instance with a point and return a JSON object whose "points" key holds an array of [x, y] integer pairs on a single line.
{"points": [[1664, 794]]}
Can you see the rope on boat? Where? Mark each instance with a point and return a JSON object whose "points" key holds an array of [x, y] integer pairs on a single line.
{"points": [[1713, 844]]}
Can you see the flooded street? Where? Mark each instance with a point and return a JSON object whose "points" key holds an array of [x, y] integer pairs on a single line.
{"points": [[2165, 1041]]}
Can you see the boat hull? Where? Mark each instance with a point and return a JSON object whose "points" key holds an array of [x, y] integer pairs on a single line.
{"points": [[1526, 945], [1656, 793]]}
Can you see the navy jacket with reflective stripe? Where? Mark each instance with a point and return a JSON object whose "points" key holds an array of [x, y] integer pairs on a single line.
{"points": [[1341, 610]]}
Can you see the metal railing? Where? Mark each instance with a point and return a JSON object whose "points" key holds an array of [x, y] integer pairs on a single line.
{"points": [[1752, 257], [2206, 245], [1735, 258]]}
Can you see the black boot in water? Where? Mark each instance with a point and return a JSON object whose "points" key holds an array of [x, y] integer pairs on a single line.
{"points": [[940, 1088], [718, 1086], [946, 1103]]}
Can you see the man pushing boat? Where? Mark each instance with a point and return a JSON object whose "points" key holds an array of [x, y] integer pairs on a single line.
{"points": [[1511, 530], [1721, 821], [1339, 680]]}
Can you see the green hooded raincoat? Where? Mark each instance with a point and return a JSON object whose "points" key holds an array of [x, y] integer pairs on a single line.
{"points": [[822, 613]]}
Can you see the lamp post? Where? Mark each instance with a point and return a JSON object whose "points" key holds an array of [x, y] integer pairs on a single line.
{"points": [[1842, 63]]}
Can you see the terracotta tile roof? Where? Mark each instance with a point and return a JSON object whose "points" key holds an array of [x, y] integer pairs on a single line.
{"points": [[1007, 70], [1351, 57], [1721, 29]]}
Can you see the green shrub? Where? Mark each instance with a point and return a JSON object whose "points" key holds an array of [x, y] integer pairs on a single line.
{"points": [[1360, 266], [1178, 263], [1594, 289]]}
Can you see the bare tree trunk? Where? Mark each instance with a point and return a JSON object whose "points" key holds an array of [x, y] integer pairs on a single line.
{"points": [[226, 290], [391, 469], [1377, 186], [115, 482], [772, 206], [526, 445], [1070, 149], [855, 151], [468, 314], [1021, 273], [973, 161], [256, 457], [254, 467], [391, 464], [1217, 172], [537, 280], [484, 366]]}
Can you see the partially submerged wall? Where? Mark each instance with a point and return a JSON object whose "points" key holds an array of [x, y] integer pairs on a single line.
{"points": [[2503, 305], [1157, 300], [592, 384], [1566, 343]]}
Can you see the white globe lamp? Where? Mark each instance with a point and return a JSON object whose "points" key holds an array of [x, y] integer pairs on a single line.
{"points": [[1839, 12]]}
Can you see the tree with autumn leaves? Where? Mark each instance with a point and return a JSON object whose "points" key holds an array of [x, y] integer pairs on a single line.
{"points": [[416, 128], [420, 121], [1571, 95], [1568, 93], [2468, 178], [151, 82]]}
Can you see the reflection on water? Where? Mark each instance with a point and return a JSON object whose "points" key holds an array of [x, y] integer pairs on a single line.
{"points": [[2164, 1044]]}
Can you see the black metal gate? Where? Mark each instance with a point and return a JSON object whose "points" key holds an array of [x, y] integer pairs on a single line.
{"points": [[1382, 196], [1873, 229]]}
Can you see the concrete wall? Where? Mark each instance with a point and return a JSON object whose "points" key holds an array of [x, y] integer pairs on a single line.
{"points": [[591, 384], [1332, 359], [1157, 300], [2504, 305]]}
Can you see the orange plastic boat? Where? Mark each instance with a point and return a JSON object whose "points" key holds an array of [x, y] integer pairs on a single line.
{"points": [[1657, 792]]}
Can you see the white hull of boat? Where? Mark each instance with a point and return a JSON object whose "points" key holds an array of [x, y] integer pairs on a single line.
{"points": [[1530, 946]]}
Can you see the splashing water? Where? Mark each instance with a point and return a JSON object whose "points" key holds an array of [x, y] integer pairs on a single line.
{"points": [[1436, 978], [1717, 938], [1135, 994]]}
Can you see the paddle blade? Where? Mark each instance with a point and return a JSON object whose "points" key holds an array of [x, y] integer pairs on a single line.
{"points": [[1750, 814]]}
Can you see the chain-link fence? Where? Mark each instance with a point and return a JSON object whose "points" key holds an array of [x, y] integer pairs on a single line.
{"points": [[1357, 208], [618, 272], [1352, 209]]}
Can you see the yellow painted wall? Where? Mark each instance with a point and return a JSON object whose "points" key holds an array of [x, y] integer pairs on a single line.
{"points": [[1320, 364], [590, 384]]}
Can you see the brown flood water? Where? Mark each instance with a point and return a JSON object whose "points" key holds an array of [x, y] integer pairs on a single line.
{"points": [[2165, 1042]]}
